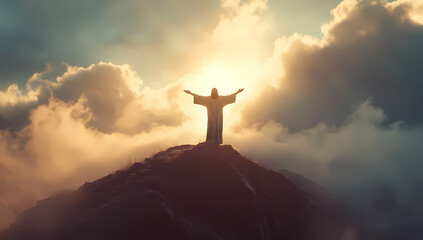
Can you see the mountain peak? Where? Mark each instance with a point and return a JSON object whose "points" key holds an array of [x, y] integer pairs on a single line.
{"points": [[206, 191]]}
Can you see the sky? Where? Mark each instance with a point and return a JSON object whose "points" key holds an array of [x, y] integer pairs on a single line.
{"points": [[332, 91]]}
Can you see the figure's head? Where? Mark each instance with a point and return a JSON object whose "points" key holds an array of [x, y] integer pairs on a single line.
{"points": [[214, 93]]}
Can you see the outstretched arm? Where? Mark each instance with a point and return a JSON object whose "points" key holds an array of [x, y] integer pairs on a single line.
{"points": [[193, 94], [197, 98], [239, 91], [231, 98], [189, 92]]}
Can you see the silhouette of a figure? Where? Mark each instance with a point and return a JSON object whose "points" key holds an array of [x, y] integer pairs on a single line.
{"points": [[214, 104]]}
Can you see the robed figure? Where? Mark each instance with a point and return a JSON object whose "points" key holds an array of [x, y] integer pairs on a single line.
{"points": [[214, 104]]}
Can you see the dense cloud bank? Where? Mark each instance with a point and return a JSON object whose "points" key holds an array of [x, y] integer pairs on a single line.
{"points": [[111, 94], [369, 50], [347, 113], [373, 170]]}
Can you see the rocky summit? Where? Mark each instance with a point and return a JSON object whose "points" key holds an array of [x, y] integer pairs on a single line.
{"points": [[206, 191]]}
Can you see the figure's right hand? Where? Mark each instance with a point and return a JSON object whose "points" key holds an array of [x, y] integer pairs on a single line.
{"points": [[188, 91]]}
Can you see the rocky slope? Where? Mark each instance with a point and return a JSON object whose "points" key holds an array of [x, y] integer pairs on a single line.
{"points": [[205, 191]]}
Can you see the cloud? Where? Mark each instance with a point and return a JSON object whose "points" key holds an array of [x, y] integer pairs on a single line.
{"points": [[372, 170], [369, 50], [112, 93]]}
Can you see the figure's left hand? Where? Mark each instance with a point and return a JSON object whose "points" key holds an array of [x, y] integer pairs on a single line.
{"points": [[240, 90]]}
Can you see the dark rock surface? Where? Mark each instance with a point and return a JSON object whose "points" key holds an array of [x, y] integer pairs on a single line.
{"points": [[205, 191]]}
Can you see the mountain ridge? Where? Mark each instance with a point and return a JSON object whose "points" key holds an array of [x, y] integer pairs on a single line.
{"points": [[206, 191]]}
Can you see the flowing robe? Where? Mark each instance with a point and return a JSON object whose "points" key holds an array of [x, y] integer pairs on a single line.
{"points": [[214, 114]]}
